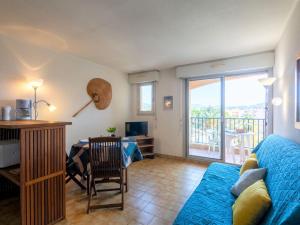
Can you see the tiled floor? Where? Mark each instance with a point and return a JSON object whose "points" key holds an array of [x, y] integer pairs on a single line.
{"points": [[158, 189]]}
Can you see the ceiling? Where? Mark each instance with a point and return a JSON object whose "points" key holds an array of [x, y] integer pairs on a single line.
{"points": [[138, 35]]}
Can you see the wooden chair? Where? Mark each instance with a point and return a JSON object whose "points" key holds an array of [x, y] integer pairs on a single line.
{"points": [[106, 167], [125, 178], [71, 172]]}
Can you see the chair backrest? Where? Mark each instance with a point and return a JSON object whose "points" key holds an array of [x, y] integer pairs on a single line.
{"points": [[105, 156]]}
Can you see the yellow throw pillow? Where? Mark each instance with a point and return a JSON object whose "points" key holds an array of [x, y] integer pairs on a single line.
{"points": [[252, 155], [251, 205], [250, 163]]}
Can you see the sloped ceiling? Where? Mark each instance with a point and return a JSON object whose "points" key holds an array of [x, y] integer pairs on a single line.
{"points": [[135, 35]]}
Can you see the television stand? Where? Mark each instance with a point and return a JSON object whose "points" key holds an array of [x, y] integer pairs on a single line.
{"points": [[146, 145]]}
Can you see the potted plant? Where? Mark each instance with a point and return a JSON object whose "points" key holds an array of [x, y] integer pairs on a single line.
{"points": [[112, 131]]}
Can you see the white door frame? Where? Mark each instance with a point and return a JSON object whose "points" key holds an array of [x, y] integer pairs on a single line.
{"points": [[269, 119]]}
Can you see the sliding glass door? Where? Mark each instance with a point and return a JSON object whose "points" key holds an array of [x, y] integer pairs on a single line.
{"points": [[245, 115], [205, 110], [226, 116]]}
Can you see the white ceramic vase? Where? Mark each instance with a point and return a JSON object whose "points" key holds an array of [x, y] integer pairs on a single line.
{"points": [[6, 112]]}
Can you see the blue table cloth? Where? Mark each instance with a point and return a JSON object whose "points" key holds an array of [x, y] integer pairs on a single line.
{"points": [[79, 154]]}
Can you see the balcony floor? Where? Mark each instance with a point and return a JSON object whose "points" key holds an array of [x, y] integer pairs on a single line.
{"points": [[203, 152]]}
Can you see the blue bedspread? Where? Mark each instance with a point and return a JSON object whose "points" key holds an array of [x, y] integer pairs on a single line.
{"points": [[211, 202], [281, 157]]}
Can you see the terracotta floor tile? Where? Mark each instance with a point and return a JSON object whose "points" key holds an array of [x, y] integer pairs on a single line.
{"points": [[137, 203], [154, 209], [147, 197], [160, 221], [134, 222]]}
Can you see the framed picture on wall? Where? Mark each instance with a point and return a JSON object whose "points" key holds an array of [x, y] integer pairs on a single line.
{"points": [[297, 93], [168, 102]]}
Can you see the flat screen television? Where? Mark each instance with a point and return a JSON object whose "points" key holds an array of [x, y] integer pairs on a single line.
{"points": [[136, 128]]}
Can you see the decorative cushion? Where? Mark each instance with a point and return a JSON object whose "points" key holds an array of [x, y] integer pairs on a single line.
{"points": [[252, 155], [281, 157], [251, 205], [248, 178], [250, 163]]}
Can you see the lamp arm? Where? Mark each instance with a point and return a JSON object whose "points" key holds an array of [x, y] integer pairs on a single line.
{"points": [[36, 102], [35, 107], [43, 101]]}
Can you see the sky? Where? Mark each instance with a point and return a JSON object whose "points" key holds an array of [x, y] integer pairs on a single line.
{"points": [[146, 97], [239, 92]]}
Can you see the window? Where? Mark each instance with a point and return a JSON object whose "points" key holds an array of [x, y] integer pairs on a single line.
{"points": [[146, 98]]}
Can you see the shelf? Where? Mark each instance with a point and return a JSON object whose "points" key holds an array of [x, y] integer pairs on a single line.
{"points": [[143, 138], [8, 174], [148, 155], [145, 146]]}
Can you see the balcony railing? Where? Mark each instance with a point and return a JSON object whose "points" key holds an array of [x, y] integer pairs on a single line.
{"points": [[207, 130]]}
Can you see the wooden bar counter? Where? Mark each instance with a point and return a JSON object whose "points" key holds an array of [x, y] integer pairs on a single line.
{"points": [[41, 175]]}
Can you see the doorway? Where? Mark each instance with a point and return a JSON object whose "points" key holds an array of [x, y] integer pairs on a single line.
{"points": [[226, 116]]}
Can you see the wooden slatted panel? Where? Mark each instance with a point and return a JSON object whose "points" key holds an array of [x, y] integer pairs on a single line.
{"points": [[43, 189]]}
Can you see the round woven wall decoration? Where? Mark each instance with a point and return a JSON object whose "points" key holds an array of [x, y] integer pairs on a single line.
{"points": [[100, 91]]}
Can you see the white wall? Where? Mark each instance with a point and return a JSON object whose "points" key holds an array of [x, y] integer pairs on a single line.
{"points": [[65, 79], [234, 65], [285, 62], [167, 126]]}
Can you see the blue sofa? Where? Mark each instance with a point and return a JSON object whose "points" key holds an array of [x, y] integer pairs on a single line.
{"points": [[211, 202]]}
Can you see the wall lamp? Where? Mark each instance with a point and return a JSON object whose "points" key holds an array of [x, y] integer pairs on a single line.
{"points": [[277, 101], [35, 84], [267, 83]]}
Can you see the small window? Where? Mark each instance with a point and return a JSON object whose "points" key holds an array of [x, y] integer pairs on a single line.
{"points": [[146, 98]]}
